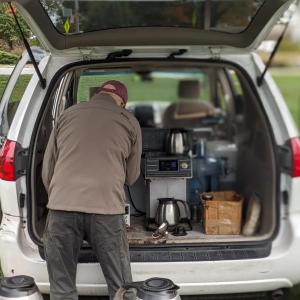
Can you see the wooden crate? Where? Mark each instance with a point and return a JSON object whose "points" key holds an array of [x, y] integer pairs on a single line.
{"points": [[223, 214]]}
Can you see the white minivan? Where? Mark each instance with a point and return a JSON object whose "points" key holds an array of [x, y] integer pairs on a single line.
{"points": [[193, 78]]}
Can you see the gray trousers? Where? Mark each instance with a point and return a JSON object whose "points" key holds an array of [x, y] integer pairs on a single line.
{"points": [[63, 237]]}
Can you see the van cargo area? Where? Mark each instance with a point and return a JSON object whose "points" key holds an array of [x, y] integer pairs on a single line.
{"points": [[208, 165]]}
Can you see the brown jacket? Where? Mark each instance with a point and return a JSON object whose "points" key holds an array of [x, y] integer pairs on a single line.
{"points": [[93, 150]]}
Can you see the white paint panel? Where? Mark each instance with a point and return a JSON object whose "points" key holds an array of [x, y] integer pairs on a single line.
{"points": [[276, 271], [294, 196], [9, 198]]}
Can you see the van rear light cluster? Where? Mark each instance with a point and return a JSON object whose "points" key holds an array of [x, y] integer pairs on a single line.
{"points": [[295, 144], [7, 161]]}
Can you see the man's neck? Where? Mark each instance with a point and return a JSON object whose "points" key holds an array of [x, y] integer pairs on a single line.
{"points": [[107, 97]]}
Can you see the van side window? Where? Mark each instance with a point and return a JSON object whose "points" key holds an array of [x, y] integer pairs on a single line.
{"points": [[16, 95], [3, 83], [238, 93], [63, 96], [16, 84], [13, 92]]}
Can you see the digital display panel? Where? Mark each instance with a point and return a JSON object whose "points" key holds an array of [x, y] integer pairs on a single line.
{"points": [[168, 165]]}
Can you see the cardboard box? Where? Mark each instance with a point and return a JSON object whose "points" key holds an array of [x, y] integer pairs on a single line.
{"points": [[222, 214]]}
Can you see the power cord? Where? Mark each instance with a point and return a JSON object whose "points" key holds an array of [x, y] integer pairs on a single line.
{"points": [[140, 213]]}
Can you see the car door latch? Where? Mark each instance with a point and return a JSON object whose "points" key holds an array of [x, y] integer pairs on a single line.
{"points": [[285, 157], [21, 160]]}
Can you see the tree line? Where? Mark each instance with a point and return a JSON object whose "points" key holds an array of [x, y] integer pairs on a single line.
{"points": [[9, 32]]}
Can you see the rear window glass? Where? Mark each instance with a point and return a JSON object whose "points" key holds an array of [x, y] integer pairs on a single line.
{"points": [[15, 96], [78, 16], [147, 86], [168, 97]]}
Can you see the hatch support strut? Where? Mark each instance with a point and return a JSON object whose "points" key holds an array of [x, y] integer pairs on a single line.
{"points": [[27, 46], [269, 62]]}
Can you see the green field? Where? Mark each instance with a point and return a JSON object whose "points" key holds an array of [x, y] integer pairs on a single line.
{"points": [[289, 85], [19, 89]]}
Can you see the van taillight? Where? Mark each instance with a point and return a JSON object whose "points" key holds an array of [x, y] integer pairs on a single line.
{"points": [[7, 160], [295, 144]]}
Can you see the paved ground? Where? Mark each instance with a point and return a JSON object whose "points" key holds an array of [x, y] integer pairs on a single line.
{"points": [[6, 70]]}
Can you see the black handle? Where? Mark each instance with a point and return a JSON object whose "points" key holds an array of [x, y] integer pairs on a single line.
{"points": [[186, 208]]}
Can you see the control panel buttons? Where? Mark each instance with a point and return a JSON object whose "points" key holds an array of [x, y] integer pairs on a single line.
{"points": [[171, 167], [184, 165]]}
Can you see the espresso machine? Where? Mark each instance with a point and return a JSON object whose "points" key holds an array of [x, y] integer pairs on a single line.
{"points": [[166, 177], [167, 168]]}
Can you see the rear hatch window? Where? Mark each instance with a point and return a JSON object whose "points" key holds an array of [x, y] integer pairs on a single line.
{"points": [[72, 26], [229, 16]]}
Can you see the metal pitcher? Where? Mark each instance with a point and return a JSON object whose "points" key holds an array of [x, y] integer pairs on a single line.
{"points": [[19, 287], [168, 211], [177, 142]]}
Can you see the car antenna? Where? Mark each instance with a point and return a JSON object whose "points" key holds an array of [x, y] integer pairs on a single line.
{"points": [[122, 53], [269, 62], [177, 53], [27, 46]]}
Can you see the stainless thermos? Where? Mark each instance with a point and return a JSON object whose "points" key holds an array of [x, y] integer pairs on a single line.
{"points": [[177, 142], [168, 211], [152, 289], [19, 288]]}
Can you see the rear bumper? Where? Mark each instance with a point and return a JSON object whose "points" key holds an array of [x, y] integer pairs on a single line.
{"points": [[279, 270]]}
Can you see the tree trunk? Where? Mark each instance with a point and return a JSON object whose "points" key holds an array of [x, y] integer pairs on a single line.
{"points": [[10, 45]]}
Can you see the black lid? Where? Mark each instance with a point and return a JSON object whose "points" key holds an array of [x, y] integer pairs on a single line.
{"points": [[18, 282], [17, 286], [166, 200], [157, 284], [157, 288]]}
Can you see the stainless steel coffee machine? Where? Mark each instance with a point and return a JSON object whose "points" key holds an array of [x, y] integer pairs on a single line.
{"points": [[166, 178]]}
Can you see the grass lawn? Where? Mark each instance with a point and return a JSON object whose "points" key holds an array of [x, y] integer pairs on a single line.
{"points": [[289, 85], [3, 81], [19, 89], [295, 293]]}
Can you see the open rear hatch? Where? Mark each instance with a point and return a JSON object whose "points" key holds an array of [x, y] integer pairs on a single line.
{"points": [[73, 26]]}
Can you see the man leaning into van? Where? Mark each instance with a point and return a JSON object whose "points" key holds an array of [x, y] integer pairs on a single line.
{"points": [[94, 149]]}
